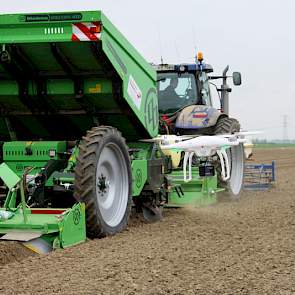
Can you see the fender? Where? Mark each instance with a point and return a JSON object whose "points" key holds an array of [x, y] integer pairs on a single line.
{"points": [[197, 117]]}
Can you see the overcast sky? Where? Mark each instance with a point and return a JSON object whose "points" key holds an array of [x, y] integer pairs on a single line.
{"points": [[254, 37]]}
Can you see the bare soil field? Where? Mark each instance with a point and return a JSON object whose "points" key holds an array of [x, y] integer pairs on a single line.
{"points": [[240, 247]]}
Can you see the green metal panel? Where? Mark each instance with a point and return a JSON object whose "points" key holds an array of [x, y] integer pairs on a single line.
{"points": [[201, 191], [8, 88], [42, 223], [33, 35], [139, 163], [15, 157], [21, 28], [133, 70], [73, 227], [8, 176], [69, 227], [139, 176], [16, 150]]}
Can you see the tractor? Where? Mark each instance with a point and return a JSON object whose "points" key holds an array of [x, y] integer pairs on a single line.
{"points": [[185, 103]]}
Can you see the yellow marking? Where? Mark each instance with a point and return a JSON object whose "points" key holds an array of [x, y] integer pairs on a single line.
{"points": [[32, 248], [96, 89]]}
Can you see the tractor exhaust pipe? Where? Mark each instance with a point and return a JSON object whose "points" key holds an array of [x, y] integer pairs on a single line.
{"points": [[225, 90]]}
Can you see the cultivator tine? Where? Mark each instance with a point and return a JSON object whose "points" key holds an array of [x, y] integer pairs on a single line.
{"points": [[152, 213]]}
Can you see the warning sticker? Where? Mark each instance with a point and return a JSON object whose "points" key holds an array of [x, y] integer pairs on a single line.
{"points": [[134, 92], [83, 32]]}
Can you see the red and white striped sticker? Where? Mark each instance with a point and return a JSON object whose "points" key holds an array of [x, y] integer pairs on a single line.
{"points": [[85, 31], [200, 115]]}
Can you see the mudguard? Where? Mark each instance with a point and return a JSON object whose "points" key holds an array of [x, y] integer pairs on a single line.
{"points": [[197, 117]]}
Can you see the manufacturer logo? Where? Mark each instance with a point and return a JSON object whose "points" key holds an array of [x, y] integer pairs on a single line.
{"points": [[138, 178], [76, 216], [151, 111]]}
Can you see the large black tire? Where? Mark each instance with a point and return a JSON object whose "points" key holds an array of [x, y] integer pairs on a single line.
{"points": [[234, 185], [227, 125], [103, 181]]}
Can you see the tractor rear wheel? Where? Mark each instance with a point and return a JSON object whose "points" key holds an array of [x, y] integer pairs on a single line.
{"points": [[234, 185], [103, 181]]}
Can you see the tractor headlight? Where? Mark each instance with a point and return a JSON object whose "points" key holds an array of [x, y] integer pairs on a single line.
{"points": [[182, 68]]}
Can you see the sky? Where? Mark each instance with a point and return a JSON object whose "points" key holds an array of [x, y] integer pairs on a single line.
{"points": [[253, 37]]}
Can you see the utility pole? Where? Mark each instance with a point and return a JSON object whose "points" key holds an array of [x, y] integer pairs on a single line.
{"points": [[285, 128]]}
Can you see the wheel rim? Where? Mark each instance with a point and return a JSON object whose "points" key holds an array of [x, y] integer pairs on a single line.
{"points": [[112, 185], [237, 169]]}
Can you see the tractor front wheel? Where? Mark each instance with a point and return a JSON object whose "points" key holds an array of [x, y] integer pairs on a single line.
{"points": [[234, 185], [103, 181], [227, 125]]}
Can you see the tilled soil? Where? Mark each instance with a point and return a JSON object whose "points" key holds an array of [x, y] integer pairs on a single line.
{"points": [[241, 247], [11, 251]]}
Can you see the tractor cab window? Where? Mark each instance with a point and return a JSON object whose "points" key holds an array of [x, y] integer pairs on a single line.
{"points": [[176, 91], [204, 86]]}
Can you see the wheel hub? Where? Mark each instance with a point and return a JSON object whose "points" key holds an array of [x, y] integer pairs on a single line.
{"points": [[103, 184], [112, 184]]}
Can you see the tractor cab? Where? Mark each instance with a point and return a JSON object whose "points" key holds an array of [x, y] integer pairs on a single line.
{"points": [[182, 85], [184, 97]]}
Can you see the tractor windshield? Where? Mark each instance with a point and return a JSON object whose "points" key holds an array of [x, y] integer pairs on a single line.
{"points": [[176, 91]]}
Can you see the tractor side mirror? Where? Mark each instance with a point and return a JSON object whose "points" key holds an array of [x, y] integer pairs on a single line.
{"points": [[237, 79]]}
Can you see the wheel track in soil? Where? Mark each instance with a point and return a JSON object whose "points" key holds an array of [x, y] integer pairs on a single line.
{"points": [[244, 247]]}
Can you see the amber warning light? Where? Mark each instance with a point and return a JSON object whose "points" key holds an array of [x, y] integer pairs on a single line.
{"points": [[200, 56]]}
